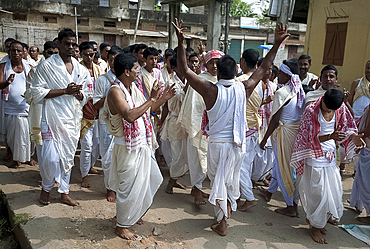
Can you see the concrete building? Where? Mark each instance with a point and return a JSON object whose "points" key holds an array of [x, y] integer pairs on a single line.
{"points": [[338, 33]]}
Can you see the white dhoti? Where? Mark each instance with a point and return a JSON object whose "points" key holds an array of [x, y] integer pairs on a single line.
{"points": [[262, 164], [224, 162], [106, 147], [360, 196], [18, 137], [246, 168], [166, 151], [197, 174], [89, 148], [179, 165], [51, 169], [321, 194], [135, 177]]}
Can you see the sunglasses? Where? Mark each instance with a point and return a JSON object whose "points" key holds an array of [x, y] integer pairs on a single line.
{"points": [[89, 55], [51, 52]]}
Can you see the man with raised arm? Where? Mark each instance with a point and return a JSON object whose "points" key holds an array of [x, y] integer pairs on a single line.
{"points": [[225, 102], [134, 173], [324, 123], [60, 84]]}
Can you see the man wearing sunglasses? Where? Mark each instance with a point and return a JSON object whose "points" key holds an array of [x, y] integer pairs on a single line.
{"points": [[60, 84], [89, 128]]}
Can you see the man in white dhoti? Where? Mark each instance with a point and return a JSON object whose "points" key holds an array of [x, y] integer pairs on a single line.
{"points": [[103, 84], [360, 196], [248, 64], [225, 102], [323, 123], [15, 109], [60, 84], [190, 118], [134, 173], [172, 130], [89, 127], [287, 109], [307, 78]]}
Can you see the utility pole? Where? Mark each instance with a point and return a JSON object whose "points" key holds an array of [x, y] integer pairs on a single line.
{"points": [[76, 24], [137, 19], [227, 24]]}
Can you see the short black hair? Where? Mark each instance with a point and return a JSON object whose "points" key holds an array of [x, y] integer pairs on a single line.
{"points": [[305, 57], [17, 42], [122, 62], [226, 67], [150, 51], [86, 45], [275, 70], [329, 67], [293, 65], [160, 51], [115, 50], [259, 62], [140, 46], [173, 61], [132, 48], [168, 53], [193, 55], [67, 32], [104, 45], [251, 56], [25, 45], [127, 50], [307, 88], [94, 42], [9, 40], [333, 98], [75, 45], [49, 44]]}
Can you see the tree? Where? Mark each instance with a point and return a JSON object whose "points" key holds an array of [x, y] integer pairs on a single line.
{"points": [[239, 8]]}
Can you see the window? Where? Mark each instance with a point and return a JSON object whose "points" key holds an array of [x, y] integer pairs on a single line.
{"points": [[109, 24], [133, 4], [20, 17], [49, 19], [335, 42], [110, 39], [82, 37], [83, 21], [104, 3], [75, 1]]}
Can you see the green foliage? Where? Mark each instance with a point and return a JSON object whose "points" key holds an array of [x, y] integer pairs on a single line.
{"points": [[239, 8], [263, 20], [21, 218], [157, 8]]}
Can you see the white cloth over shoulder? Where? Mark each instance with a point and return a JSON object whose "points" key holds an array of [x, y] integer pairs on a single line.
{"points": [[64, 113]]}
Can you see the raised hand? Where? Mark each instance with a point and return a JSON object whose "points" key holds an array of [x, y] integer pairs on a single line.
{"points": [[155, 90], [169, 92], [313, 82], [346, 95], [179, 30], [281, 32], [201, 48]]}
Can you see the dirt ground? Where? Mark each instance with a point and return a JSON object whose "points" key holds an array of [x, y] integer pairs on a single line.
{"points": [[173, 221]]}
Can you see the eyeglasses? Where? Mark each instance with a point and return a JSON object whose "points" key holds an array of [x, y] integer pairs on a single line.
{"points": [[51, 52], [89, 55]]}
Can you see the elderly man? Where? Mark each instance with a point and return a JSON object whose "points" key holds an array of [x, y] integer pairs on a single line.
{"points": [[134, 173], [34, 53], [60, 84], [225, 103], [323, 123]]}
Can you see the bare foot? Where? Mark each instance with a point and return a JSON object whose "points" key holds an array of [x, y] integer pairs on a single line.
{"points": [[140, 221], [317, 236], [125, 233], [173, 183], [85, 182], [32, 162], [44, 197], [288, 211], [333, 222], [265, 194], [266, 182], [66, 199], [247, 205], [111, 196], [364, 219], [15, 165], [220, 227], [205, 195], [94, 171], [198, 199]]}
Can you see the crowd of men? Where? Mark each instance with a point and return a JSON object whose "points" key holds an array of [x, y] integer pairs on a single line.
{"points": [[200, 111]]}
